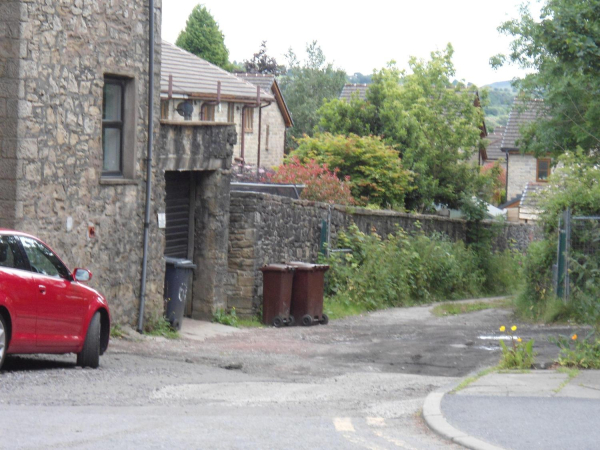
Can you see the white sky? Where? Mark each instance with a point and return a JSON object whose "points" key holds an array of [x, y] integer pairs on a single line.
{"points": [[362, 36]]}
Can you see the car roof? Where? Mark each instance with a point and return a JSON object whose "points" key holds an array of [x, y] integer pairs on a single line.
{"points": [[17, 233]]}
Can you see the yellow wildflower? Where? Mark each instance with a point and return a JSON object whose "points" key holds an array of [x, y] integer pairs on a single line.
{"points": [[574, 337], [513, 328], [519, 339], [502, 328]]}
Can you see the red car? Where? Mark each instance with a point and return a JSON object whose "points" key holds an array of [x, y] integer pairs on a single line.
{"points": [[45, 308]]}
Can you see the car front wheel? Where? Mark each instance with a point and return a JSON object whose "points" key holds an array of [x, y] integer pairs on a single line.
{"points": [[3, 340], [89, 356]]}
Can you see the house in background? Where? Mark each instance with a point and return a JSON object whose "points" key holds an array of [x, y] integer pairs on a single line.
{"points": [[275, 119], [524, 171], [195, 90], [350, 89]]}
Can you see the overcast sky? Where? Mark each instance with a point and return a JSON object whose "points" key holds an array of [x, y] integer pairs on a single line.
{"points": [[361, 36]]}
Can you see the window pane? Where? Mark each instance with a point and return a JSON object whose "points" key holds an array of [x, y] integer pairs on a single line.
{"points": [[43, 261], [543, 170], [111, 141], [10, 255], [113, 94]]}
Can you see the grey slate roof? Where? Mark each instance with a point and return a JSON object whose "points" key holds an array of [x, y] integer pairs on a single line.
{"points": [[493, 149], [196, 77], [530, 198], [350, 89], [522, 112]]}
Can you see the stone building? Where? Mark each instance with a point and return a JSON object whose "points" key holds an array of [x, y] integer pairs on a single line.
{"points": [[522, 169], [213, 95], [74, 80], [73, 101]]}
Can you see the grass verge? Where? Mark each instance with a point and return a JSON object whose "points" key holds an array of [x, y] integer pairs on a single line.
{"points": [[453, 309]]}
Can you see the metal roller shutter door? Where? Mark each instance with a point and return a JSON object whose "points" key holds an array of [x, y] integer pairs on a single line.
{"points": [[178, 214]]}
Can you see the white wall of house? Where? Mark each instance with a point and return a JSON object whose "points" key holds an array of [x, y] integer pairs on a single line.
{"points": [[272, 125], [522, 169]]}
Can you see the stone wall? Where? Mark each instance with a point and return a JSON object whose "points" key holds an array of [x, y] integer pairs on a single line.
{"points": [[271, 117], [54, 57], [10, 50], [204, 150], [265, 229]]}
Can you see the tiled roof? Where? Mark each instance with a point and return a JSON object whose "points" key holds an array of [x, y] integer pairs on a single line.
{"points": [[493, 148], [530, 197], [196, 77], [522, 113], [350, 89], [265, 81]]}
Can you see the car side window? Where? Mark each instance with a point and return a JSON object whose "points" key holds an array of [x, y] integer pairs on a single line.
{"points": [[10, 254], [43, 261]]}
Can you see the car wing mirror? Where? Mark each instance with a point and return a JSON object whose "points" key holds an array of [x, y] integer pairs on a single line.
{"points": [[82, 275]]}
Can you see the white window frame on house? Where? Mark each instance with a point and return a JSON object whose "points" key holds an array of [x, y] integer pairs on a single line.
{"points": [[120, 165]]}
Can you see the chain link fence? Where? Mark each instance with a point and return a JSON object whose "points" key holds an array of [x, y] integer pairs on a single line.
{"points": [[578, 261]]}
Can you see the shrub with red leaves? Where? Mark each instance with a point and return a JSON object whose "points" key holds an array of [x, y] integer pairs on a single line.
{"points": [[321, 184]]}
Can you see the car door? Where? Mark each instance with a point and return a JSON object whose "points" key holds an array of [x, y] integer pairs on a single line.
{"points": [[18, 295], [61, 303]]}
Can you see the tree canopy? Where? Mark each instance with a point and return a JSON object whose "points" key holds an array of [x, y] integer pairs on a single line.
{"points": [[203, 38], [433, 124], [306, 85], [373, 169], [261, 62], [562, 46]]}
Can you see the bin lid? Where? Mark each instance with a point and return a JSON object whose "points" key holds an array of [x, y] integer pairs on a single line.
{"points": [[180, 263], [277, 268], [307, 267]]}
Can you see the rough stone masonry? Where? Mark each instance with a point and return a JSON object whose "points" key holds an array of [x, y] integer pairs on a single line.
{"points": [[54, 56]]}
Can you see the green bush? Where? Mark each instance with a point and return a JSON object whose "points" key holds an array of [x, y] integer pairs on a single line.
{"points": [[407, 269]]}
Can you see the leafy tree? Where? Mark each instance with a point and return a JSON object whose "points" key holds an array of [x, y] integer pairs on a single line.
{"points": [[563, 48], [373, 169], [203, 38], [306, 85], [434, 124], [263, 63]]}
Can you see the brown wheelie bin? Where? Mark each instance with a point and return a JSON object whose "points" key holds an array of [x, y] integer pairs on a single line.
{"points": [[307, 293], [277, 294]]}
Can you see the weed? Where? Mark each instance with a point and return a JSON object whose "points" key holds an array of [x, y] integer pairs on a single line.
{"points": [[453, 309], [253, 322], [117, 332], [225, 317], [519, 355], [470, 380], [579, 353], [572, 373], [160, 326]]}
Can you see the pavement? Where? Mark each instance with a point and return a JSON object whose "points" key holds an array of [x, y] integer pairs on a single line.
{"points": [[538, 409]]}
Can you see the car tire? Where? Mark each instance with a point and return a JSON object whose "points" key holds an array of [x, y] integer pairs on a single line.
{"points": [[89, 356], [3, 340]]}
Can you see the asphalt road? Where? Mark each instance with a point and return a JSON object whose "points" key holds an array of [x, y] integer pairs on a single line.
{"points": [[355, 383]]}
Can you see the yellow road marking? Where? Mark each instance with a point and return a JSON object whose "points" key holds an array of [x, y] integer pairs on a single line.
{"points": [[376, 421], [343, 424]]}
